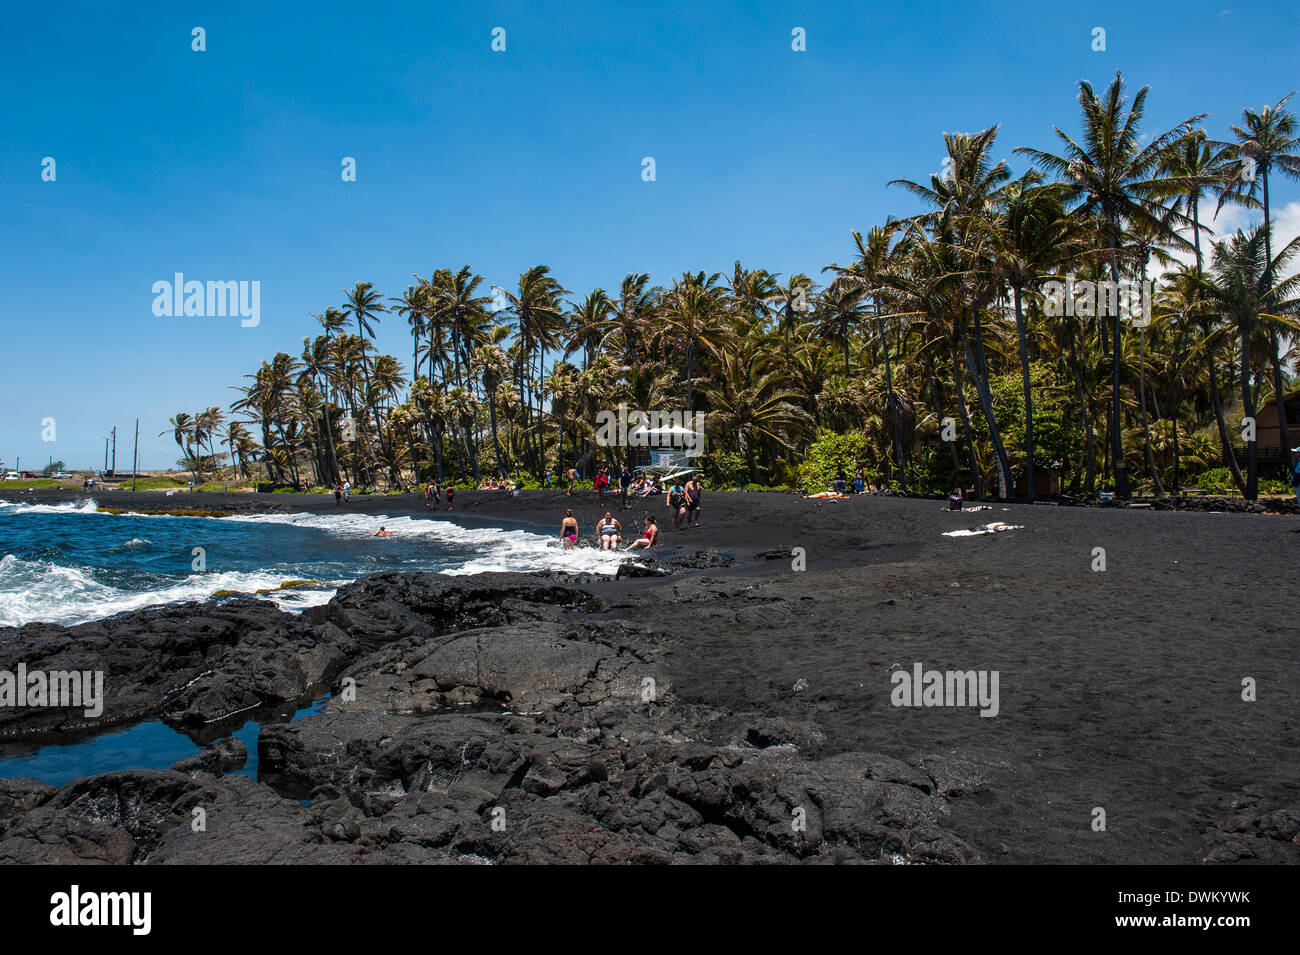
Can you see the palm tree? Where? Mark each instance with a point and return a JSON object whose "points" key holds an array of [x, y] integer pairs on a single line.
{"points": [[538, 315], [752, 405], [1197, 167], [1269, 142], [1031, 238], [588, 324], [692, 313], [631, 311], [493, 367], [182, 431], [1241, 287], [364, 303], [1111, 175]]}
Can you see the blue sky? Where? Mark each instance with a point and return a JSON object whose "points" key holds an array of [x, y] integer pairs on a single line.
{"points": [[225, 164]]}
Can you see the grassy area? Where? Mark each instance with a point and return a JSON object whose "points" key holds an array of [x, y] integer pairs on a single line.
{"points": [[42, 484]]}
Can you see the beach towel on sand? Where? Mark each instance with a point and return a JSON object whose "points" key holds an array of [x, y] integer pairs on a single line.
{"points": [[996, 527]]}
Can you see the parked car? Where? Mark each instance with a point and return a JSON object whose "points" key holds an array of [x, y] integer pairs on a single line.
{"points": [[61, 475], [11, 475]]}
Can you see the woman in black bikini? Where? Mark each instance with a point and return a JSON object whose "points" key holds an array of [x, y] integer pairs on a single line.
{"points": [[569, 529]]}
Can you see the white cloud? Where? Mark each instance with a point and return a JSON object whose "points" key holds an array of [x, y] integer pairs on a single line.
{"points": [[1286, 226]]}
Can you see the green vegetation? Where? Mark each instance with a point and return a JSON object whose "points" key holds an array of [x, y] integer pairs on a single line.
{"points": [[938, 354]]}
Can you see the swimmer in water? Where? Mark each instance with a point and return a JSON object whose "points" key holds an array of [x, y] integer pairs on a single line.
{"points": [[382, 532]]}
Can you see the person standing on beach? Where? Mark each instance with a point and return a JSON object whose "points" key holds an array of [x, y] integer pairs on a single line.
{"points": [[677, 504], [859, 481], [694, 501], [451, 496], [602, 482], [569, 529], [624, 484], [347, 491], [338, 493], [428, 496]]}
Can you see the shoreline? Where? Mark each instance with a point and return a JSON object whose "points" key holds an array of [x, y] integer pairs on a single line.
{"points": [[1119, 687]]}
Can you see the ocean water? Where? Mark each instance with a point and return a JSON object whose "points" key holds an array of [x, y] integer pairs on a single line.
{"points": [[70, 563]]}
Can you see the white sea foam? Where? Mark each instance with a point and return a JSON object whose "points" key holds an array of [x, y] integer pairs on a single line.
{"points": [[32, 590], [86, 506], [495, 549]]}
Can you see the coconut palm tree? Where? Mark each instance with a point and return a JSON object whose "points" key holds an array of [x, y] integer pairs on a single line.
{"points": [[182, 431], [1111, 176], [1268, 142], [364, 304], [1242, 288], [1031, 238]]}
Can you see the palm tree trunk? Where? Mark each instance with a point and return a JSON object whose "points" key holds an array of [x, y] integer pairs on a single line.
{"points": [[1229, 457], [968, 435], [1142, 398], [1251, 490], [986, 406], [1031, 486], [893, 403], [1116, 422]]}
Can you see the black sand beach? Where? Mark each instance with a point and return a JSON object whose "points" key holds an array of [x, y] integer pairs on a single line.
{"points": [[1120, 689]]}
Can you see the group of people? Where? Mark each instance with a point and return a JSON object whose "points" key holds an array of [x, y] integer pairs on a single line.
{"points": [[609, 532], [342, 492], [603, 483], [840, 489], [433, 492]]}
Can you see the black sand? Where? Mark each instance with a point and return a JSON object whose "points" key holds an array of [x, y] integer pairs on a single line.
{"points": [[1119, 689]]}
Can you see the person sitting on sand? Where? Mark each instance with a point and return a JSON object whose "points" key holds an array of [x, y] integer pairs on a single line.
{"points": [[652, 488], [569, 529], [382, 532], [859, 481], [609, 532], [647, 538]]}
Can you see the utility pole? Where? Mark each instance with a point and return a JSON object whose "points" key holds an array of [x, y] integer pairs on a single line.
{"points": [[114, 451], [135, 455]]}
